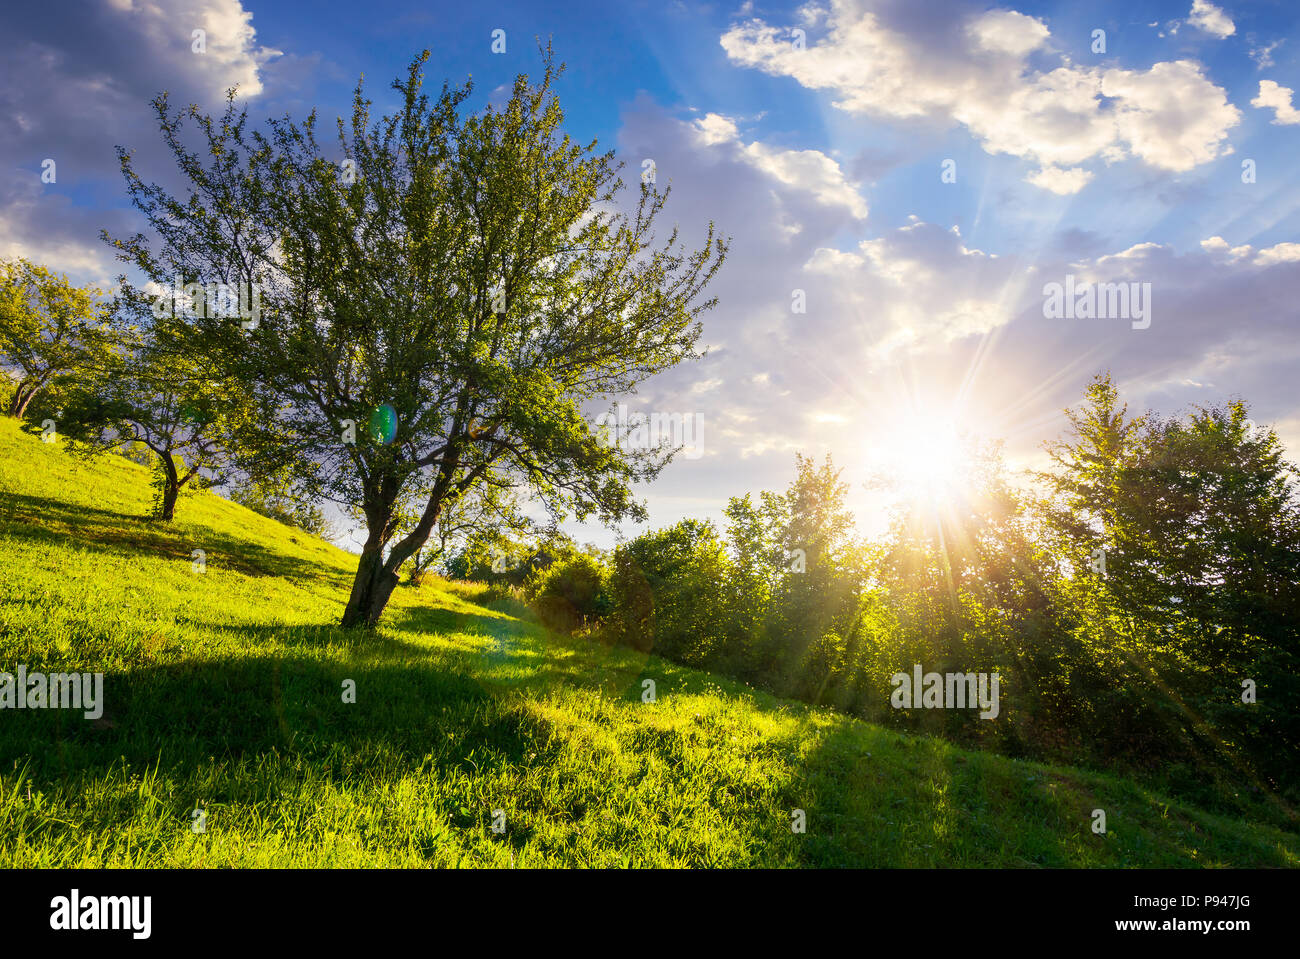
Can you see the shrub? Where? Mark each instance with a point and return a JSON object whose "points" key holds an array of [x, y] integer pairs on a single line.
{"points": [[571, 593]]}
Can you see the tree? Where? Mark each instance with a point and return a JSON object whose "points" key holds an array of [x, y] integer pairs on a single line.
{"points": [[1197, 522], [466, 278], [1086, 480], [823, 573], [570, 593], [156, 398], [50, 330], [665, 588], [753, 533], [1196, 515]]}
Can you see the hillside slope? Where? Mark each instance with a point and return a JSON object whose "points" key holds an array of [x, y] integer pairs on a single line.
{"points": [[224, 691]]}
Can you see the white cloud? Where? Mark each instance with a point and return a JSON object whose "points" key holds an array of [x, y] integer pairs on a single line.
{"points": [[808, 170], [1278, 253], [78, 90], [1263, 55], [714, 128], [1006, 31], [1063, 182], [232, 55], [1278, 99], [1217, 244], [914, 288], [976, 70], [1171, 116], [1211, 19], [810, 14]]}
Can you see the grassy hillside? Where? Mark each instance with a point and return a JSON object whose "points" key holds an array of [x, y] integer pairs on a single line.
{"points": [[224, 691]]}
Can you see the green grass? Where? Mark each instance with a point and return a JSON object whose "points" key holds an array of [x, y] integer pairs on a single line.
{"points": [[224, 691]]}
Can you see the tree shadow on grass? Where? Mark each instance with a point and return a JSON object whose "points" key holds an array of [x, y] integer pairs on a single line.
{"points": [[52, 521], [286, 712]]}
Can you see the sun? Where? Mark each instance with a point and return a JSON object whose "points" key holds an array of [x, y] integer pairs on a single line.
{"points": [[924, 457]]}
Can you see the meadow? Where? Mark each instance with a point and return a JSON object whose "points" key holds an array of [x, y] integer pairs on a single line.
{"points": [[225, 685]]}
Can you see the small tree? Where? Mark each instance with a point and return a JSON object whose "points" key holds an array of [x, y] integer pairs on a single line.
{"points": [[665, 587], [152, 397], [465, 279], [823, 569], [50, 330], [571, 593], [758, 561]]}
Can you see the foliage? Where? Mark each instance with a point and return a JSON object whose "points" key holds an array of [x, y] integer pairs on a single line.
{"points": [[1199, 525], [162, 400], [571, 593], [51, 333], [1137, 661], [665, 591]]}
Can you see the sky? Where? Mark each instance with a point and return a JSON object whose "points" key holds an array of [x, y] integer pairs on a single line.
{"points": [[903, 181]]}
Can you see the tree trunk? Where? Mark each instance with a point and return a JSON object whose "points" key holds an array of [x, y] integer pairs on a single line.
{"points": [[376, 577], [168, 510], [171, 490], [22, 396], [371, 589]]}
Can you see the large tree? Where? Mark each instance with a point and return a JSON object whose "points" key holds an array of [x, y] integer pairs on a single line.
{"points": [[1197, 515], [464, 279]]}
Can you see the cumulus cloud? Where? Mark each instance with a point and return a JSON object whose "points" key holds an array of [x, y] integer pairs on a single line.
{"points": [[917, 287], [808, 170], [1206, 16], [992, 73], [73, 87], [1285, 252], [1278, 99]]}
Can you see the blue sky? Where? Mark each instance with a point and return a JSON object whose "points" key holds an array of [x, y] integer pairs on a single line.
{"points": [[824, 161]]}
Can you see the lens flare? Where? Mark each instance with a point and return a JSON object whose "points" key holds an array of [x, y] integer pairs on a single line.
{"points": [[383, 424]]}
